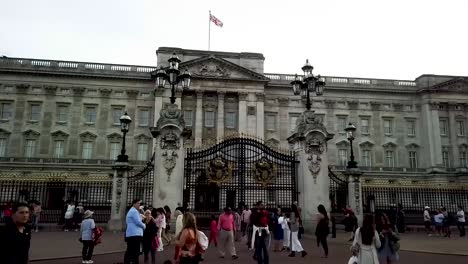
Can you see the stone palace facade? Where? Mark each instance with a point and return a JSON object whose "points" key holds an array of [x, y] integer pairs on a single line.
{"points": [[63, 116]]}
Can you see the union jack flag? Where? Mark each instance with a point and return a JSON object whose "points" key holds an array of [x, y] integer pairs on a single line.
{"points": [[216, 21]]}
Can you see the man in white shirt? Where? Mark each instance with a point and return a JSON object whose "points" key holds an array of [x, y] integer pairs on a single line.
{"points": [[461, 221], [427, 220], [245, 217]]}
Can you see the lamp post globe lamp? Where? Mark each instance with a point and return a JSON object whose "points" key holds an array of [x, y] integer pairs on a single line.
{"points": [[173, 76], [308, 85], [350, 129], [125, 121]]}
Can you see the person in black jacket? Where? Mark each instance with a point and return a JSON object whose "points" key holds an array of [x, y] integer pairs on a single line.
{"points": [[149, 237], [15, 236]]}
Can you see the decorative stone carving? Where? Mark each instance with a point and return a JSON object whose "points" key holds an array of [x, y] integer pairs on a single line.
{"points": [[170, 159], [170, 115], [243, 96], [170, 141], [283, 101], [22, 88], [218, 171], [264, 172], [31, 133], [314, 147], [308, 122], [119, 192], [353, 105], [398, 106], [78, 90], [50, 89], [260, 97], [329, 103], [59, 134], [132, 94], [375, 106], [88, 135], [211, 69], [105, 92], [4, 133]]}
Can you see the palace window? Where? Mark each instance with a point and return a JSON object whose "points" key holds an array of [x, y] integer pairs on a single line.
{"points": [[460, 128], [142, 151], [90, 114], [388, 126], [411, 127], [62, 113], [364, 126], [443, 127], [59, 149], [188, 118], [343, 157], [35, 112], [271, 122], [413, 159], [30, 148], [87, 151], [390, 158], [3, 145], [463, 159], [366, 158], [342, 123], [5, 111], [114, 150], [445, 159], [209, 119], [117, 113], [143, 117], [230, 120]]}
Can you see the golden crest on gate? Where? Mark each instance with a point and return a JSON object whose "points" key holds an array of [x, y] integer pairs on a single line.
{"points": [[264, 172], [218, 171]]}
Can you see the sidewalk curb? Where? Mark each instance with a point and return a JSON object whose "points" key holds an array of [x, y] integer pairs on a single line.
{"points": [[74, 256]]}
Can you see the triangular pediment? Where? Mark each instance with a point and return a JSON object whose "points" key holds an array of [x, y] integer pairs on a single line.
{"points": [[59, 133], [88, 135], [366, 144], [114, 136], [213, 67], [31, 133], [143, 137], [342, 143], [455, 85], [389, 145], [4, 132]]}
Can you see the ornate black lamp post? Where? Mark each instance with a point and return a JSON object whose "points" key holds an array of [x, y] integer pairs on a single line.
{"points": [[350, 129], [125, 121], [173, 76], [309, 84]]}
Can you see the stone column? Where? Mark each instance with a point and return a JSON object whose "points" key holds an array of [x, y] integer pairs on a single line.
{"points": [[260, 115], [220, 123], [119, 196], [283, 118], [454, 155], [178, 100], [199, 120], [310, 144], [355, 193], [430, 121], [170, 134], [243, 112]]}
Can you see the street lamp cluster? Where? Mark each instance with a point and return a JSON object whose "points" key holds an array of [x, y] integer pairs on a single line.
{"points": [[309, 84], [173, 76]]}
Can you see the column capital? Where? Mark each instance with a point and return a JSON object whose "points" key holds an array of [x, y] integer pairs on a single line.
{"points": [[283, 101], [398, 106], [158, 92], [434, 105], [221, 95], [199, 93], [329, 103], [375, 105], [260, 97], [243, 96], [353, 105]]}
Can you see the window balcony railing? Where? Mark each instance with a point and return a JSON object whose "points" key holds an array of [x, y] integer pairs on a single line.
{"points": [[65, 161]]}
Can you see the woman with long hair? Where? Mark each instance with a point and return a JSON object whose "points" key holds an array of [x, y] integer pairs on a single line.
{"points": [[322, 230], [161, 224], [187, 240], [165, 234], [388, 252], [295, 219], [367, 241], [149, 236]]}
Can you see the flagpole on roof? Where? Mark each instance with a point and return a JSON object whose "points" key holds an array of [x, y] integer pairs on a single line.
{"points": [[209, 29]]}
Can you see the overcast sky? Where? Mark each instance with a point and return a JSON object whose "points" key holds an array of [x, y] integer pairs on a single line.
{"points": [[398, 39]]}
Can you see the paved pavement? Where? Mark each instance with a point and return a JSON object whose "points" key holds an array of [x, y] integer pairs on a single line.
{"points": [[50, 245], [338, 254]]}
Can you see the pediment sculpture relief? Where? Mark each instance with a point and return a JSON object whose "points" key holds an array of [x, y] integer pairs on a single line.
{"points": [[210, 69]]}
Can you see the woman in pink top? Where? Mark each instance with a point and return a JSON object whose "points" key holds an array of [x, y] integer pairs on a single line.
{"points": [[161, 224], [213, 231]]}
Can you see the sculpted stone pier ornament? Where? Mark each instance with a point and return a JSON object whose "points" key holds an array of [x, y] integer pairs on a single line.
{"points": [[170, 133], [310, 145]]}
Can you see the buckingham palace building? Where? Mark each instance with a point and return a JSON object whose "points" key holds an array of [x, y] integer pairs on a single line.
{"points": [[60, 128]]}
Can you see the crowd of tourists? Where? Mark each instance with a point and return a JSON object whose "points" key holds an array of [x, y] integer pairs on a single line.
{"points": [[438, 222]]}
